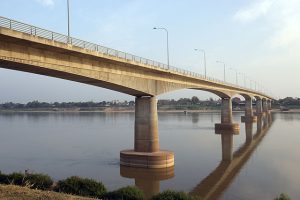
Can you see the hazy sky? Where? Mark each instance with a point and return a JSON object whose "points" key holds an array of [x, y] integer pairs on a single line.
{"points": [[260, 38]]}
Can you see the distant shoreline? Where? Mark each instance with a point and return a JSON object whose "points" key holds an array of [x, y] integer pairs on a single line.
{"points": [[132, 111]]}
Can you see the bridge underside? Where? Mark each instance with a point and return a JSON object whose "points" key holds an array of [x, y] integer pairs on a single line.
{"points": [[68, 76]]}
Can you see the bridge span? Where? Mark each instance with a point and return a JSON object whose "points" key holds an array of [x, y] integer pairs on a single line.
{"points": [[31, 49]]}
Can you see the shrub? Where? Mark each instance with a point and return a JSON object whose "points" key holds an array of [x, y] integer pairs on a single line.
{"points": [[282, 197], [81, 186], [39, 181], [34, 181], [172, 195], [3, 179], [126, 193], [16, 178]]}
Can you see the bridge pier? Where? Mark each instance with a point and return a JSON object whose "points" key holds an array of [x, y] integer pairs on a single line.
{"points": [[226, 117], [265, 106], [269, 104], [258, 107], [146, 152], [249, 117]]}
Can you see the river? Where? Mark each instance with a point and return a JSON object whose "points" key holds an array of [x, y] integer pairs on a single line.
{"points": [[265, 160]]}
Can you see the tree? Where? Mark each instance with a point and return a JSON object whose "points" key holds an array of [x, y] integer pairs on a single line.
{"points": [[195, 100]]}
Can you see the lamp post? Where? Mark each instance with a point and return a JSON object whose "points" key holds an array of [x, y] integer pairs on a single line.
{"points": [[224, 69], [244, 78], [68, 7], [162, 28], [204, 57], [236, 75]]}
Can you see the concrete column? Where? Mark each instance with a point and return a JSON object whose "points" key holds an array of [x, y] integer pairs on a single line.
{"points": [[226, 117], [248, 108], [249, 117], [269, 105], [258, 107], [227, 145], [265, 107], [146, 128], [226, 112], [146, 152], [259, 123]]}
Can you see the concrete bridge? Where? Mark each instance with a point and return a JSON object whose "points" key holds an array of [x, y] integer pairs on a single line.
{"points": [[31, 49]]}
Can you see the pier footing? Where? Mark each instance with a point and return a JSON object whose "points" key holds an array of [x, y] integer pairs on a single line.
{"points": [[159, 159], [248, 119], [227, 127]]}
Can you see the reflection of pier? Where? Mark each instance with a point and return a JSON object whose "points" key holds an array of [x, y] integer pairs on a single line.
{"points": [[215, 183], [148, 180]]}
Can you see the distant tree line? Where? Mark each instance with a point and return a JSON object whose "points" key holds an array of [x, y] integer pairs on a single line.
{"points": [[182, 103]]}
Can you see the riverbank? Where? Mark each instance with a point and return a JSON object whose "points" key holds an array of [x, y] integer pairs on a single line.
{"points": [[132, 111], [13, 192]]}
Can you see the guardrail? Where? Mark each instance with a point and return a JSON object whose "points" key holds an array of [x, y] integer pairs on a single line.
{"points": [[43, 33]]}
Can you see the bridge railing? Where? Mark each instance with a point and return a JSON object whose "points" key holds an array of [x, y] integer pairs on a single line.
{"points": [[50, 35]]}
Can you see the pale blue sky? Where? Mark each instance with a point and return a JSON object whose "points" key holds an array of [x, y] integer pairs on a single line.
{"points": [[260, 38]]}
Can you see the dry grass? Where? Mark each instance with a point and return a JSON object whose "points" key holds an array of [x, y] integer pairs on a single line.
{"points": [[12, 192]]}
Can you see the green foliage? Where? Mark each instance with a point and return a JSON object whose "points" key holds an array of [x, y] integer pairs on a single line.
{"points": [[3, 179], [282, 197], [81, 186], [172, 195], [126, 193], [16, 178], [34, 181], [39, 181]]}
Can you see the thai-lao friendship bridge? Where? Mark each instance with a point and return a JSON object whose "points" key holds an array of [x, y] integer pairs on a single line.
{"points": [[31, 49]]}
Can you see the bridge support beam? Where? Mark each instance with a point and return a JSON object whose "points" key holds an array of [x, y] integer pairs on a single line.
{"points": [[269, 105], [265, 105], [226, 117], [249, 117], [146, 152], [258, 107]]}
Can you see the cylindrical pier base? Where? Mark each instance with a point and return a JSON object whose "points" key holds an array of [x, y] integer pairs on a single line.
{"points": [[249, 119], [159, 159], [233, 127]]}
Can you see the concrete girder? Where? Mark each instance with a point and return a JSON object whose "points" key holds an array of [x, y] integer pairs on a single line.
{"points": [[25, 52]]}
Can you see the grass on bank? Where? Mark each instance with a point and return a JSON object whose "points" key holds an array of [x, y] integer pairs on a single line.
{"points": [[41, 186]]}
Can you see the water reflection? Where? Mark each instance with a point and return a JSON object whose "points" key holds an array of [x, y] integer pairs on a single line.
{"points": [[213, 186], [147, 180]]}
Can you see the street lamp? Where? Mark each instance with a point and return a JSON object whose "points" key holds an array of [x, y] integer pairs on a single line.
{"points": [[244, 78], [236, 75], [161, 28], [68, 7], [224, 69], [204, 57]]}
